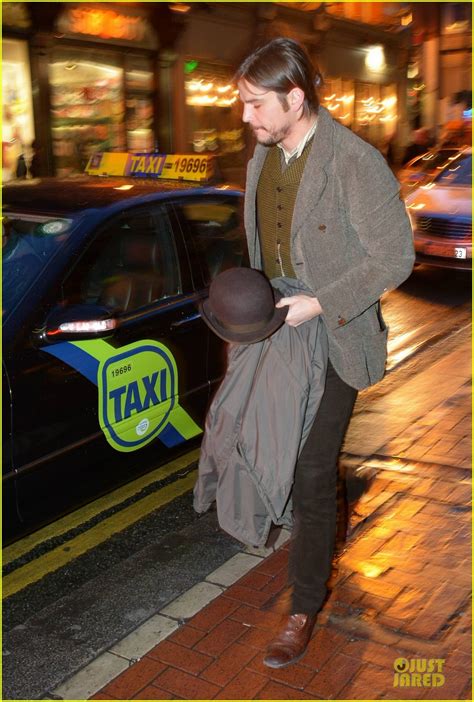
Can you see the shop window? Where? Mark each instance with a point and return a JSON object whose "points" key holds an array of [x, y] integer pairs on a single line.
{"points": [[213, 113], [139, 83], [87, 107], [17, 125], [375, 113], [338, 97], [388, 115], [369, 110]]}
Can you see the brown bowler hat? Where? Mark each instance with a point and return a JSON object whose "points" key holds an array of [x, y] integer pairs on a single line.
{"points": [[241, 306]]}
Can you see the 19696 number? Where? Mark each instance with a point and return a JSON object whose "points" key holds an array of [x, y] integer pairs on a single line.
{"points": [[190, 165], [121, 370]]}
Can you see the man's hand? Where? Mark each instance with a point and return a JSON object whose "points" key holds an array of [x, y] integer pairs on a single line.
{"points": [[301, 309]]}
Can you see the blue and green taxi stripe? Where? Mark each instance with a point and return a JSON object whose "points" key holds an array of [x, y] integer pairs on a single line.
{"points": [[137, 391]]}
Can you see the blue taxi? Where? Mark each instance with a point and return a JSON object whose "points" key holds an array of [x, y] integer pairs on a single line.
{"points": [[107, 367]]}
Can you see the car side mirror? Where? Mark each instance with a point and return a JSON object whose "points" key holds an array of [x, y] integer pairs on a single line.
{"points": [[76, 323]]}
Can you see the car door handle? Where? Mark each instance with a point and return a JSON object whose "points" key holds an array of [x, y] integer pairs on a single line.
{"points": [[185, 320]]}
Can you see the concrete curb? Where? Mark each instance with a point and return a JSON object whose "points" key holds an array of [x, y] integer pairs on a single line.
{"points": [[121, 655]]}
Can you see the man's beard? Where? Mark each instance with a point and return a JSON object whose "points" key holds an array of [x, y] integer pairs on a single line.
{"points": [[267, 138]]}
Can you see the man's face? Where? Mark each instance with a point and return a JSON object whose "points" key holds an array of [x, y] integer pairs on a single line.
{"points": [[265, 114]]}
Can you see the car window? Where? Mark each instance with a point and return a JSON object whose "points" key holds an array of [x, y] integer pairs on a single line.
{"points": [[458, 173], [132, 263], [30, 244], [217, 233]]}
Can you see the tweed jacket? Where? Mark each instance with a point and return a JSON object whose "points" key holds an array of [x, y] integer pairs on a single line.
{"points": [[351, 241]]}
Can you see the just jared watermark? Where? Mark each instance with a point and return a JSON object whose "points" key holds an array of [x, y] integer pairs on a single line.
{"points": [[418, 672]]}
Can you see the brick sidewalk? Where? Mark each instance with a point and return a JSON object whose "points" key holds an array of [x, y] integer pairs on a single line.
{"points": [[401, 586], [402, 590]]}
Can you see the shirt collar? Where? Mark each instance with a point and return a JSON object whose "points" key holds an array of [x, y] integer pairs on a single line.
{"points": [[298, 150]]}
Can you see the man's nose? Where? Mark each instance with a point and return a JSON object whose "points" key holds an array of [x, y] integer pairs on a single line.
{"points": [[247, 113]]}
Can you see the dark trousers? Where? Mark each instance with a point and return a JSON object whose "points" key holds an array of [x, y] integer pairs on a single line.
{"points": [[314, 497]]}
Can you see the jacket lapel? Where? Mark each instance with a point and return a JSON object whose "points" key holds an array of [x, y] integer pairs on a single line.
{"points": [[254, 169], [314, 177]]}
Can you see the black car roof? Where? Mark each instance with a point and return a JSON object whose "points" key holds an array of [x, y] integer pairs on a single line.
{"points": [[69, 195]]}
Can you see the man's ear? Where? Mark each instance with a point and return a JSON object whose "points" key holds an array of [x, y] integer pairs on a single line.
{"points": [[295, 99]]}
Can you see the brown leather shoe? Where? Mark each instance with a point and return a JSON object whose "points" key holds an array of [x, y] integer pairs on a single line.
{"points": [[292, 641]]}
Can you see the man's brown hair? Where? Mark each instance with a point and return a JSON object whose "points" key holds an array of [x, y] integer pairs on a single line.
{"points": [[282, 65]]}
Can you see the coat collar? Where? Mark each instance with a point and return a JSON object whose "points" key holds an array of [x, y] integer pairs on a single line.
{"points": [[314, 177]]}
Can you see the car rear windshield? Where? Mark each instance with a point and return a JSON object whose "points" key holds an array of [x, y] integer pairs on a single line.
{"points": [[458, 173], [29, 244]]}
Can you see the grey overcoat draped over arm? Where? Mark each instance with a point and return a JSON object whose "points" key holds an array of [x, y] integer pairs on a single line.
{"points": [[256, 427]]}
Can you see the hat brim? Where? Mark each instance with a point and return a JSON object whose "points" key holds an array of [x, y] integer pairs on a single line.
{"points": [[279, 315]]}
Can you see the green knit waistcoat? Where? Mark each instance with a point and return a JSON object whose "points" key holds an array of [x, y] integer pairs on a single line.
{"points": [[276, 195]]}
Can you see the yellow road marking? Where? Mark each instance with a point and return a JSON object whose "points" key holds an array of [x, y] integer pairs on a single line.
{"points": [[60, 556], [82, 515]]}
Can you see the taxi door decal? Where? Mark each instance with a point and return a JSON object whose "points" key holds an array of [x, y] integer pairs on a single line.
{"points": [[137, 391]]}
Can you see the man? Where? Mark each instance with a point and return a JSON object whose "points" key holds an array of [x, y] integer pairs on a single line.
{"points": [[322, 208]]}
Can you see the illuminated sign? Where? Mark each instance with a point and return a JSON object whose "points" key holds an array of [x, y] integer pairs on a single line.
{"points": [[196, 167], [190, 66], [104, 24]]}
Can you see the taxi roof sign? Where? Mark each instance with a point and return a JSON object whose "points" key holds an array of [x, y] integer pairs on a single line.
{"points": [[194, 167]]}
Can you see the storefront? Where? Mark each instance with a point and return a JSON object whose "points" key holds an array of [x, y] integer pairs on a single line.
{"points": [[17, 117], [101, 84], [157, 76], [93, 71]]}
